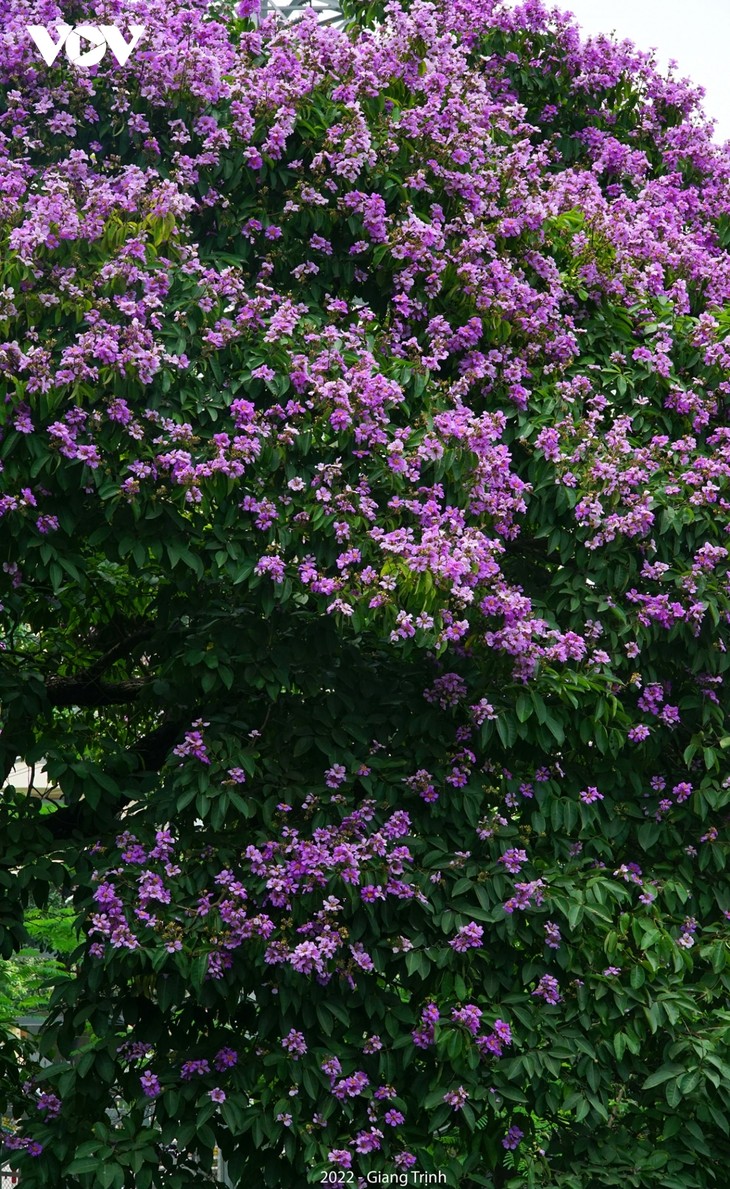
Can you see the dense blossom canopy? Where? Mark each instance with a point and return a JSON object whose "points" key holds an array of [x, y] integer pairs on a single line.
{"points": [[364, 508]]}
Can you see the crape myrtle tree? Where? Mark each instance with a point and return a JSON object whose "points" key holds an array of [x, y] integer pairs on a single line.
{"points": [[365, 590]]}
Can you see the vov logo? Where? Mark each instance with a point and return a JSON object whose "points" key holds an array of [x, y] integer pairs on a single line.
{"points": [[99, 37]]}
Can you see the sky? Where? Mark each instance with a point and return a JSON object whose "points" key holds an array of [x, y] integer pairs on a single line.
{"points": [[694, 32]]}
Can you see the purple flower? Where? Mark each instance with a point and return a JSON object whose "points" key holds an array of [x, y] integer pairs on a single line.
{"points": [[331, 1066], [469, 1016], [225, 1058], [150, 1084], [47, 524], [552, 935], [351, 1086], [503, 1031], [394, 1118], [512, 1138], [639, 733], [405, 1160], [589, 795], [335, 775], [489, 1045]]}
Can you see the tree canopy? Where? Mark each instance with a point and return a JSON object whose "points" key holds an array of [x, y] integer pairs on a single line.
{"points": [[364, 507]]}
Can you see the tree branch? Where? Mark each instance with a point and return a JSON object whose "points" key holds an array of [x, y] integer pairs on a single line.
{"points": [[87, 690]]}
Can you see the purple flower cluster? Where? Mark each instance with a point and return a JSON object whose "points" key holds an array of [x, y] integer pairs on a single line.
{"points": [[23, 1143], [552, 935], [49, 1105], [526, 894], [194, 1068], [513, 860], [295, 867], [351, 1086], [468, 937], [193, 744], [295, 1044], [548, 989], [224, 1059], [424, 1036]]}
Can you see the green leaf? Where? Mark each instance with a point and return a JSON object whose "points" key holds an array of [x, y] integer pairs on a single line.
{"points": [[83, 1164], [689, 1082], [672, 1070], [637, 977]]}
